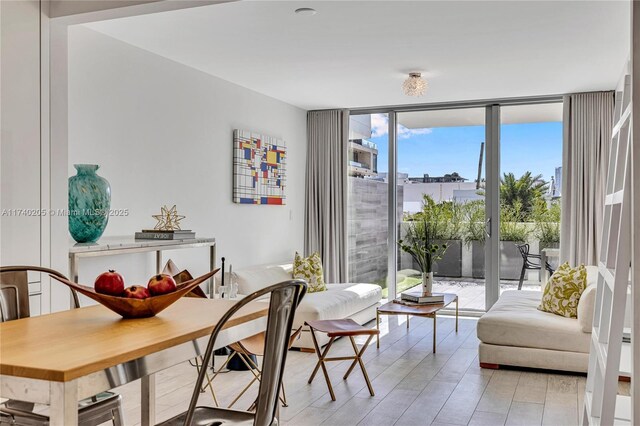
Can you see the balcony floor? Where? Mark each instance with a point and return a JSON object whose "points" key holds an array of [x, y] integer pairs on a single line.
{"points": [[470, 291]]}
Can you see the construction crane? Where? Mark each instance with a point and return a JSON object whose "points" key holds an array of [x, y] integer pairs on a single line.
{"points": [[480, 165]]}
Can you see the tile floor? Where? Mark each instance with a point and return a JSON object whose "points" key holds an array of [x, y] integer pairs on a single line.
{"points": [[413, 386]]}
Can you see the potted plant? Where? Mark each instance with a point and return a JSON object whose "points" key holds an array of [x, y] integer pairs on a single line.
{"points": [[420, 243], [446, 218]]}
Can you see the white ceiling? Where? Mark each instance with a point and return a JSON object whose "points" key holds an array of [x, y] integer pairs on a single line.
{"points": [[535, 113], [357, 53]]}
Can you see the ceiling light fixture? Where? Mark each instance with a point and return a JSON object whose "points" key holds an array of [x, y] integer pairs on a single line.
{"points": [[415, 85], [306, 11]]}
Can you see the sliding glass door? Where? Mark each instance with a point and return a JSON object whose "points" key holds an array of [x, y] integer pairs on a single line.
{"points": [[530, 191], [441, 182], [459, 167]]}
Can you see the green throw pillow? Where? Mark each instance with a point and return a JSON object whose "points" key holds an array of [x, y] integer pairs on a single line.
{"points": [[563, 290], [310, 270]]}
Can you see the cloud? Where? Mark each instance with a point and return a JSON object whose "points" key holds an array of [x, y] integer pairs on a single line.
{"points": [[380, 127], [404, 133]]}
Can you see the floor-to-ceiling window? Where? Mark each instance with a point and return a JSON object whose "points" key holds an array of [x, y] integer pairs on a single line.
{"points": [[530, 190], [455, 166], [441, 176], [367, 215]]}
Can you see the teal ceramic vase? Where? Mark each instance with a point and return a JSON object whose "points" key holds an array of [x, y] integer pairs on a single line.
{"points": [[89, 203]]}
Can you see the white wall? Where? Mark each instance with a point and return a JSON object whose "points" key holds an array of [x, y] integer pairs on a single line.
{"points": [[20, 124], [22, 225], [162, 134]]}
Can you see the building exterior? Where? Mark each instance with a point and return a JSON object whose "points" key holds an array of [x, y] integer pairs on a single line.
{"points": [[439, 192], [557, 192], [453, 177], [363, 158]]}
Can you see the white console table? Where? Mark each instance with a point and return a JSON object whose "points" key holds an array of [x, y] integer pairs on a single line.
{"points": [[109, 246]]}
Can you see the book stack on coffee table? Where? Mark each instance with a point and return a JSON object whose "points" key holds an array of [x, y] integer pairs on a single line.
{"points": [[155, 234], [418, 297]]}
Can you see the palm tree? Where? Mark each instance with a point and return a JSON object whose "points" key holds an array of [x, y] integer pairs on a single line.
{"points": [[522, 192]]}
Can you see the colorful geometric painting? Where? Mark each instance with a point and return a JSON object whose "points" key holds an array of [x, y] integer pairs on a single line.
{"points": [[259, 166]]}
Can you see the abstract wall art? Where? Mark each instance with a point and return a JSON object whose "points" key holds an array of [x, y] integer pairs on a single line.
{"points": [[259, 168]]}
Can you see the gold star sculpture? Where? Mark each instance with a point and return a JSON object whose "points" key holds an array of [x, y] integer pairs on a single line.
{"points": [[168, 219]]}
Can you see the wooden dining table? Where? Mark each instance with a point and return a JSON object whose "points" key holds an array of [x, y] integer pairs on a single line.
{"points": [[61, 358]]}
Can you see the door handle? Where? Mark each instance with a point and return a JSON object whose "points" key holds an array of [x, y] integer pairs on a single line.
{"points": [[487, 228]]}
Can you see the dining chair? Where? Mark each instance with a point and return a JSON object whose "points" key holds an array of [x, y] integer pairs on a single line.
{"points": [[14, 305], [284, 300], [529, 262], [246, 350]]}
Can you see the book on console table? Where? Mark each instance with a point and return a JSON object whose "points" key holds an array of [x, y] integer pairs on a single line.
{"points": [[155, 234], [418, 296]]}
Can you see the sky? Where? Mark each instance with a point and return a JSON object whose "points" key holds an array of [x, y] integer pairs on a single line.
{"points": [[535, 147]]}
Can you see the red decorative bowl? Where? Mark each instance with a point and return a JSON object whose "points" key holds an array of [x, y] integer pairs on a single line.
{"points": [[138, 308]]}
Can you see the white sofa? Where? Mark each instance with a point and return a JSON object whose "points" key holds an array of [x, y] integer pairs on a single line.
{"points": [[514, 332], [357, 301]]}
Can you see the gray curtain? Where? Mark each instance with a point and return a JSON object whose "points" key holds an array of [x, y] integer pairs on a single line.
{"points": [[325, 229], [588, 124]]}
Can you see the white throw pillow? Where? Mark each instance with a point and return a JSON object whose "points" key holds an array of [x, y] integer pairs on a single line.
{"points": [[255, 278], [586, 306]]}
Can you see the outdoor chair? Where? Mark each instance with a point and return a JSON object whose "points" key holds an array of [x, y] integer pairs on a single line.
{"points": [[529, 262], [14, 304], [284, 301]]}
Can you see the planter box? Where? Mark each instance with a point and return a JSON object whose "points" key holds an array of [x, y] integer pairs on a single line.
{"points": [[510, 260], [451, 263], [477, 259]]}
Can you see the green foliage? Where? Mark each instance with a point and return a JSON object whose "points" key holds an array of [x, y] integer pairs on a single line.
{"points": [[525, 190], [521, 202], [474, 221], [425, 230], [446, 218], [511, 226], [547, 222]]}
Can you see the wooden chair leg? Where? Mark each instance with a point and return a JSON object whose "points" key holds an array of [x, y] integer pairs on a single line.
{"points": [[358, 359], [209, 384], [378, 327], [320, 364], [283, 398], [248, 362]]}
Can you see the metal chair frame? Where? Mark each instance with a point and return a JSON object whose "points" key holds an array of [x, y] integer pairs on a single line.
{"points": [[528, 264], [98, 408], [239, 350], [285, 298]]}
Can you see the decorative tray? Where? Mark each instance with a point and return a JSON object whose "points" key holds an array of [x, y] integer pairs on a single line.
{"points": [[138, 308]]}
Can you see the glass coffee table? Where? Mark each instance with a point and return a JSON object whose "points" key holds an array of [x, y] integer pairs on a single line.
{"points": [[429, 311]]}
